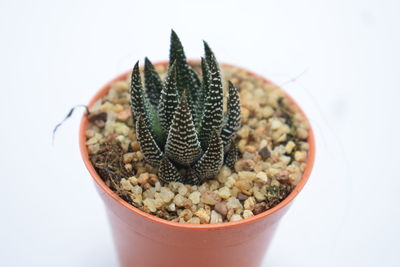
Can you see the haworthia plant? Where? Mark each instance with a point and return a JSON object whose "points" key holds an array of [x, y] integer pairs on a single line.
{"points": [[180, 122]]}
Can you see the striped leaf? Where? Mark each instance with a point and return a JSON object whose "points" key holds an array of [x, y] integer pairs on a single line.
{"points": [[152, 83], [137, 95], [183, 146], [148, 145], [231, 154], [232, 123], [211, 162], [168, 100], [213, 108], [187, 78], [203, 92], [168, 172], [142, 108]]}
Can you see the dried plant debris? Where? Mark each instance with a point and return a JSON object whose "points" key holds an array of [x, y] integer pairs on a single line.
{"points": [[271, 153]]}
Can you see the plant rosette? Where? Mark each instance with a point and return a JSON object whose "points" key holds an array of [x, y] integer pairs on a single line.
{"points": [[225, 219]]}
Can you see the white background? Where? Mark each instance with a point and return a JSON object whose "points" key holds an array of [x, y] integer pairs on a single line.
{"points": [[345, 55]]}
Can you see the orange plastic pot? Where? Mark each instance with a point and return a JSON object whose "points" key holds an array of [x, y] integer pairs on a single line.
{"points": [[144, 240]]}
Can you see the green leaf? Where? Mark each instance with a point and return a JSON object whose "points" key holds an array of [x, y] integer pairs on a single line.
{"points": [[213, 108], [177, 56], [183, 146], [152, 83], [176, 52], [168, 100], [168, 172], [203, 92], [148, 145], [208, 52], [231, 154], [142, 108], [232, 123], [195, 91], [137, 95], [192, 177], [187, 78], [211, 162]]}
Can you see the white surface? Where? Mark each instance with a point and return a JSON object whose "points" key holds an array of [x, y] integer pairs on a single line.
{"points": [[54, 55]]}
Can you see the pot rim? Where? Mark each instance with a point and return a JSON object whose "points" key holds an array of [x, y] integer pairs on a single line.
{"points": [[85, 156]]}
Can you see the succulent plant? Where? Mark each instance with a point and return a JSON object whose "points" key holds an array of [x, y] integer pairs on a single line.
{"points": [[180, 122]]}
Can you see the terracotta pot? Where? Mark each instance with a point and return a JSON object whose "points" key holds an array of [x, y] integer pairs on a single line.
{"points": [[144, 240]]}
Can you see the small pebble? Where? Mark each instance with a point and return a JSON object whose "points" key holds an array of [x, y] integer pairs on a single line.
{"points": [[182, 190], [244, 186], [194, 220], [179, 200], [172, 207], [166, 194], [233, 203], [203, 215], [289, 147], [230, 182], [246, 175], [247, 214], [244, 132], [262, 176], [224, 173], [244, 165], [150, 204], [143, 178], [249, 203], [265, 153], [259, 196], [186, 214], [195, 197], [210, 198], [221, 208], [128, 157], [123, 115], [224, 192], [215, 217], [302, 133], [242, 196], [235, 217], [250, 149], [300, 156], [133, 180]]}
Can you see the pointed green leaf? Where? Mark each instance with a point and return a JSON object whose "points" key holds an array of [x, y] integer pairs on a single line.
{"points": [[168, 100], [168, 172], [141, 107], [232, 123], [192, 177], [203, 91], [176, 52], [183, 146], [231, 155], [213, 108], [195, 90], [187, 78], [152, 83], [205, 70], [148, 145], [208, 52], [137, 94], [177, 56], [210, 163]]}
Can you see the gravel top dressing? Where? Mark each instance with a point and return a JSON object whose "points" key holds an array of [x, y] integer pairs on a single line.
{"points": [[272, 144]]}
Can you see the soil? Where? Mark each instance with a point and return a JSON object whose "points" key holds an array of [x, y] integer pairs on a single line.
{"points": [[272, 145]]}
